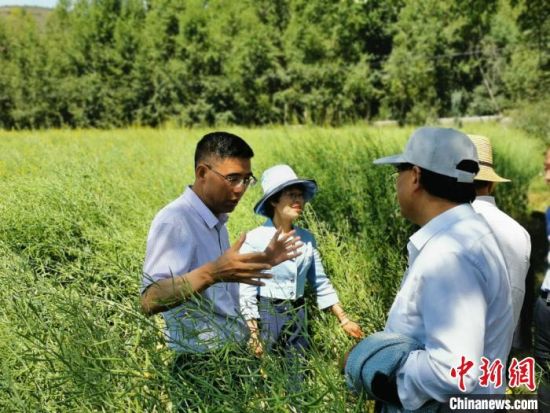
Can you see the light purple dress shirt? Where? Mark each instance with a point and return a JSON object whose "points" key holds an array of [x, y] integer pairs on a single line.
{"points": [[185, 235]]}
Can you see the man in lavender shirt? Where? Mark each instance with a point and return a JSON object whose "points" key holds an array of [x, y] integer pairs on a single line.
{"points": [[191, 273]]}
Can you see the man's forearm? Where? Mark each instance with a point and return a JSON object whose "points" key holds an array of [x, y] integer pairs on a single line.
{"points": [[165, 294]]}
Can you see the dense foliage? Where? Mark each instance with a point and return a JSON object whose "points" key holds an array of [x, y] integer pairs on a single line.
{"points": [[76, 208], [110, 63]]}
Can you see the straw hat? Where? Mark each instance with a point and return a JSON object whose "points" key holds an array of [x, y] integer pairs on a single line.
{"points": [[485, 154], [276, 179]]}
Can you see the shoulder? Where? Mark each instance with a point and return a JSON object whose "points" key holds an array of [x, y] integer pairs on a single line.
{"points": [[175, 217], [492, 212], [468, 250], [177, 211], [305, 235], [259, 236], [463, 235], [504, 226], [261, 231], [464, 244]]}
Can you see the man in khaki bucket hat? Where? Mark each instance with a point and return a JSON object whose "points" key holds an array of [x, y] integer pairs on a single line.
{"points": [[513, 239]]}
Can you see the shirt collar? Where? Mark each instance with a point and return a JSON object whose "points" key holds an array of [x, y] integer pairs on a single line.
{"points": [[487, 198], [209, 218], [439, 223], [269, 223]]}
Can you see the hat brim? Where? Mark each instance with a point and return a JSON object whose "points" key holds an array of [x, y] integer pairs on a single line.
{"points": [[390, 160], [310, 188], [488, 174]]}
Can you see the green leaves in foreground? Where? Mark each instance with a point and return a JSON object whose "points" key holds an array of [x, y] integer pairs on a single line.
{"points": [[75, 211]]}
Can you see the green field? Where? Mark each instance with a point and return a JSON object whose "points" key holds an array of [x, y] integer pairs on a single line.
{"points": [[76, 207]]}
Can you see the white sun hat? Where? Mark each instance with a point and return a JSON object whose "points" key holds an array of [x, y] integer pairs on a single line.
{"points": [[276, 179]]}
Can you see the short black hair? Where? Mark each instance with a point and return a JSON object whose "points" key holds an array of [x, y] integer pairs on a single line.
{"points": [[268, 208], [223, 145], [449, 188]]}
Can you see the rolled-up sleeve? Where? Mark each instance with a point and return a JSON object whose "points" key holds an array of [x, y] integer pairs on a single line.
{"points": [[170, 252], [248, 300], [326, 294]]}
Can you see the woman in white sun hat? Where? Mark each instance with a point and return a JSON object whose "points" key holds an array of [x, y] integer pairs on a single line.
{"points": [[279, 304]]}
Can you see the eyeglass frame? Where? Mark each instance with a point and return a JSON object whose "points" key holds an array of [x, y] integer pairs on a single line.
{"points": [[405, 166], [401, 167], [293, 195], [247, 181]]}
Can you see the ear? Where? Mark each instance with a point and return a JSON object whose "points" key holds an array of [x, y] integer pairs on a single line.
{"points": [[200, 171], [415, 176]]}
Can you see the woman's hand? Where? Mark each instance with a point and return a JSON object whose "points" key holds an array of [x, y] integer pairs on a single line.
{"points": [[254, 343], [255, 346], [352, 329]]}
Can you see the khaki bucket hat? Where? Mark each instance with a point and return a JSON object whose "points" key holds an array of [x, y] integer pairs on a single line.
{"points": [[485, 154]]}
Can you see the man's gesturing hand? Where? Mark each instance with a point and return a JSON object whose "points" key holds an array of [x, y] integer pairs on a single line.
{"points": [[235, 267], [282, 247]]}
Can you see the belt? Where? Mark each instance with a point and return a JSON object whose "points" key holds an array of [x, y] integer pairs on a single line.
{"points": [[296, 303]]}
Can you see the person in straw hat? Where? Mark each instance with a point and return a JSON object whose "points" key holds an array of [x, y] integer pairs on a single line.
{"points": [[279, 304], [513, 239]]}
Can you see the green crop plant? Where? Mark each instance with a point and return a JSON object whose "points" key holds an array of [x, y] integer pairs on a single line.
{"points": [[75, 210]]}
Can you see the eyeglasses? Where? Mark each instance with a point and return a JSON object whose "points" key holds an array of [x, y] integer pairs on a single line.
{"points": [[293, 195], [401, 167], [235, 180]]}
